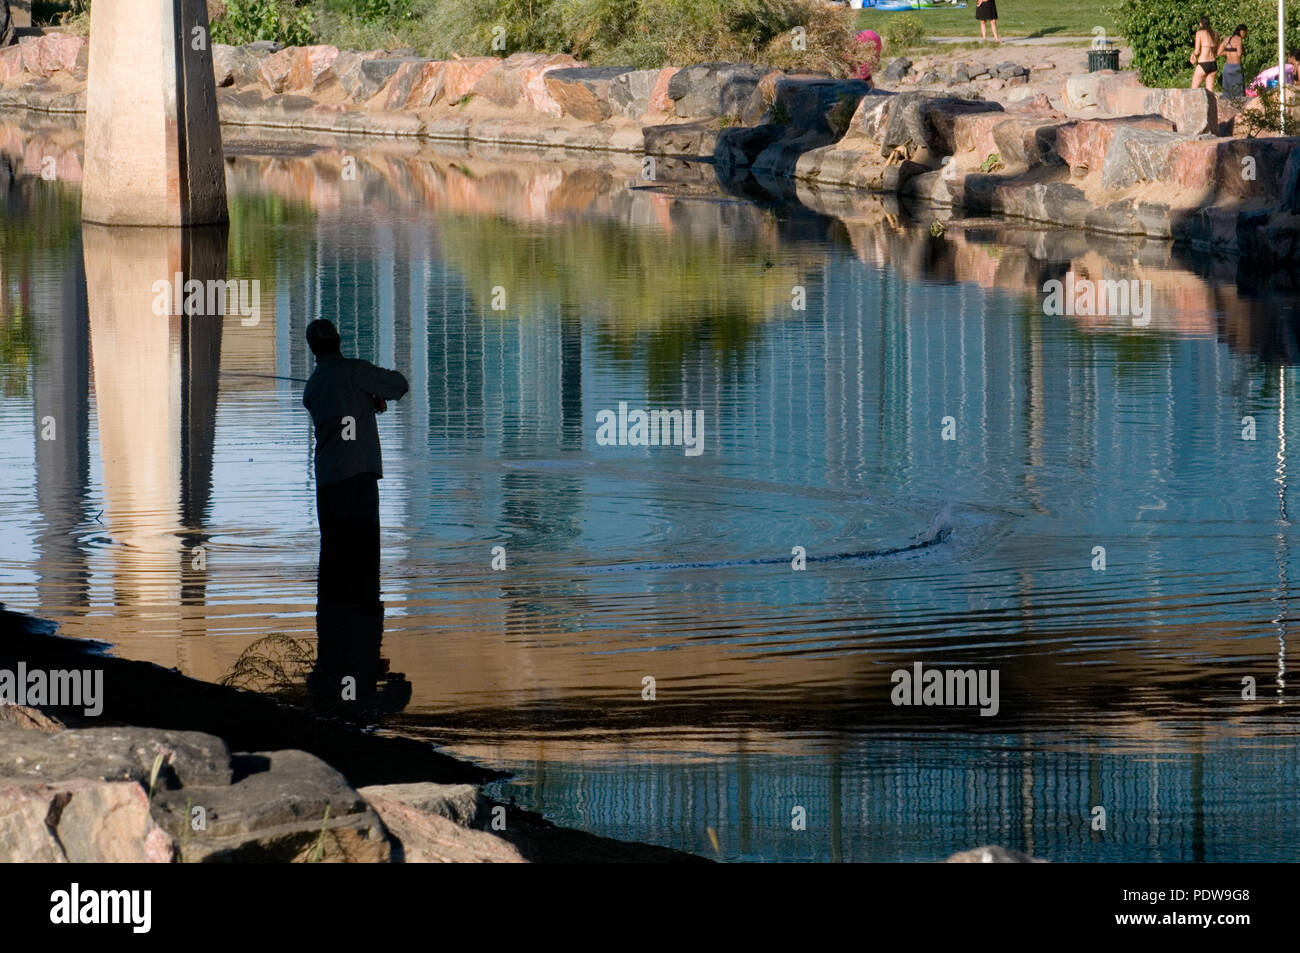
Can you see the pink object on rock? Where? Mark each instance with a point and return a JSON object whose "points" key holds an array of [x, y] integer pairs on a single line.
{"points": [[871, 37]]}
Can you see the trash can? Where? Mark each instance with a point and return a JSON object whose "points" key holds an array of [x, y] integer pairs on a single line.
{"points": [[1102, 59]]}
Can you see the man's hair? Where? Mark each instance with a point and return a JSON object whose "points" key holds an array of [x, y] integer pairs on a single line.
{"points": [[323, 337]]}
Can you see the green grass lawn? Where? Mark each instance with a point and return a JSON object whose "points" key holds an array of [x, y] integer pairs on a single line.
{"points": [[1016, 18]]}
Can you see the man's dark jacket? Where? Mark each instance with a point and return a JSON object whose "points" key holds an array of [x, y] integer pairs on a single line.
{"points": [[343, 387]]}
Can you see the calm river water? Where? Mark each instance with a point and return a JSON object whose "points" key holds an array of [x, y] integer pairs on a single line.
{"points": [[1074, 439]]}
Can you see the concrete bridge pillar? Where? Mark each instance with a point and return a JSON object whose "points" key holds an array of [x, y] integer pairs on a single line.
{"points": [[153, 140]]}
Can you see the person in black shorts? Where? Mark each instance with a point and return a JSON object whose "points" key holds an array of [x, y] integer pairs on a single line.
{"points": [[1205, 53], [986, 11]]}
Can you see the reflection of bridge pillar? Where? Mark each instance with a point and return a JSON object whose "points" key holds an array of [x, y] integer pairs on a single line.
{"points": [[156, 395], [62, 390], [153, 141]]}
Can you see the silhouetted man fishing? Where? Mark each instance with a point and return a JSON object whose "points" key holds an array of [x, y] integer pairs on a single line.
{"points": [[343, 396]]}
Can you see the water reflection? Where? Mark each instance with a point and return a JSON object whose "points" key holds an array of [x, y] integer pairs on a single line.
{"points": [[1120, 688], [156, 403]]}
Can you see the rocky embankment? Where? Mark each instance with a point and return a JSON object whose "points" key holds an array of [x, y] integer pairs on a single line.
{"points": [[1101, 152], [178, 770]]}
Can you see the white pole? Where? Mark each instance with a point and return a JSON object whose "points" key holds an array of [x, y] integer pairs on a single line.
{"points": [[1281, 62]]}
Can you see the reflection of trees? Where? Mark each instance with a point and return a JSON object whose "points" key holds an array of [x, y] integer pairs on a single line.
{"points": [[36, 219], [259, 226], [15, 349], [657, 296]]}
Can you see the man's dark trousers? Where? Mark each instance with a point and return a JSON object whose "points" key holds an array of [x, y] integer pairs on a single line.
{"points": [[348, 512]]}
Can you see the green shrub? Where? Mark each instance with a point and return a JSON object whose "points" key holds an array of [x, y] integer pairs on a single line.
{"points": [[653, 33], [1160, 33], [1265, 115], [373, 11], [246, 21], [902, 32]]}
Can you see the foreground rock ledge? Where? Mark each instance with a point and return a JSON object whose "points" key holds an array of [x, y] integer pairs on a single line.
{"points": [[125, 786]]}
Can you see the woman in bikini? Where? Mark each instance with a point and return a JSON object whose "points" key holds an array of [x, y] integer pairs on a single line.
{"points": [[1205, 53], [1234, 80]]}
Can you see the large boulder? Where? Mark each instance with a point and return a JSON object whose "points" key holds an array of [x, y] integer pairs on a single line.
{"points": [[1025, 142], [630, 91], [916, 121], [1193, 112], [1096, 90], [587, 93], [428, 87], [1289, 183], [681, 139], [1082, 145], [813, 103], [234, 65], [346, 71], [80, 822], [973, 132], [425, 837], [520, 81], [738, 147], [1218, 164], [713, 90], [288, 806], [1137, 155], [275, 69], [374, 75], [115, 754], [416, 83], [11, 64], [1193, 166], [462, 804], [297, 68], [55, 52], [461, 75], [20, 716], [660, 102]]}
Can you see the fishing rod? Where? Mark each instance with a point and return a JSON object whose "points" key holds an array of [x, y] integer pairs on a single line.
{"points": [[269, 377]]}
